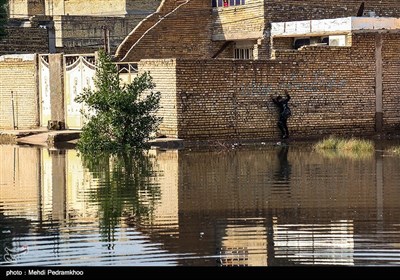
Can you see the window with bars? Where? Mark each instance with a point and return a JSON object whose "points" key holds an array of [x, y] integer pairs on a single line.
{"points": [[243, 53], [227, 3]]}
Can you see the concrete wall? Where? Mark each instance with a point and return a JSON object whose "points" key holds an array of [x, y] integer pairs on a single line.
{"points": [[19, 107], [56, 68], [334, 91]]}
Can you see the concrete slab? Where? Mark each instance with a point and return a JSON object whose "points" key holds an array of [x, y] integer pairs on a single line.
{"points": [[68, 138]]}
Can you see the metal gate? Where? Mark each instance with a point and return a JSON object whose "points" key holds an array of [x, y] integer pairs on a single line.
{"points": [[44, 88], [79, 73]]}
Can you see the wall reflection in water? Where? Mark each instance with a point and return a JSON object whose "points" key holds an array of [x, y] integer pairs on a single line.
{"points": [[276, 205]]}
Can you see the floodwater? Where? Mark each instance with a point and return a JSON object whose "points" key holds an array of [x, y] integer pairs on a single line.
{"points": [[271, 205]]}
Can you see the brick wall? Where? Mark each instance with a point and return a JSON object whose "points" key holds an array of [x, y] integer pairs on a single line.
{"points": [[26, 8], [186, 32], [332, 88], [391, 84], [292, 10], [25, 40], [18, 76], [239, 22], [198, 31], [141, 6], [164, 75], [84, 34]]}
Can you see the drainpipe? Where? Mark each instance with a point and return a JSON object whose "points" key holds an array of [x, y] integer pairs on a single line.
{"points": [[378, 84]]}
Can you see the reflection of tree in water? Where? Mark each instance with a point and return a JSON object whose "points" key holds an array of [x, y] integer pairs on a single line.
{"points": [[284, 167], [125, 189], [11, 228]]}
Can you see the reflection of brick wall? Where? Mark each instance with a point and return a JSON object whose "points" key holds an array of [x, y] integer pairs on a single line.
{"points": [[202, 187], [18, 76], [19, 181], [333, 90]]}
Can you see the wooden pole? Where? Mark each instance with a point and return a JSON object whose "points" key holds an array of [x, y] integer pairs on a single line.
{"points": [[12, 108]]}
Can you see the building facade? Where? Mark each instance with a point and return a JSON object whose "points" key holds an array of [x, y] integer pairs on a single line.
{"points": [[76, 26], [239, 29]]}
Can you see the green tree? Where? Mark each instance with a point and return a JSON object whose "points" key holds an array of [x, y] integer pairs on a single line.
{"points": [[121, 117], [3, 18]]}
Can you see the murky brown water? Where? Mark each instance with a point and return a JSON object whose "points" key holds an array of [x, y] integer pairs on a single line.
{"points": [[256, 206]]}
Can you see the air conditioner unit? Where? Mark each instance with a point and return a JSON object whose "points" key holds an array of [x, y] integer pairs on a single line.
{"points": [[337, 40]]}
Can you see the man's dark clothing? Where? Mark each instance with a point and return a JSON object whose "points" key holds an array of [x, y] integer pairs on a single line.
{"points": [[284, 114]]}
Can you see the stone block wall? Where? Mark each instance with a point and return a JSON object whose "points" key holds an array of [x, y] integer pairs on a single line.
{"points": [[19, 104]]}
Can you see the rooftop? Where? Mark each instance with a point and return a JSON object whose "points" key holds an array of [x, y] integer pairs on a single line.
{"points": [[333, 26]]}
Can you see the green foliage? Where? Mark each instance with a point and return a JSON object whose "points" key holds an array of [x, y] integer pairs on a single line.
{"points": [[395, 150], [121, 116], [3, 17], [125, 188]]}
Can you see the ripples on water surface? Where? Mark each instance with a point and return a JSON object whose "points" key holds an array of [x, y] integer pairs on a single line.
{"points": [[268, 206]]}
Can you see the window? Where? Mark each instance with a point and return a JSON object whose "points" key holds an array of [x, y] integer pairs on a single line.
{"points": [[227, 3], [243, 53], [299, 42]]}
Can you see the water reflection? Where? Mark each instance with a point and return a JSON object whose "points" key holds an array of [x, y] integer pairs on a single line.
{"points": [[284, 167], [124, 190], [269, 206]]}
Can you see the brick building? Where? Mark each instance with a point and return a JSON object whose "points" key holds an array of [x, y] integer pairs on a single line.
{"points": [[72, 26], [208, 29], [217, 67]]}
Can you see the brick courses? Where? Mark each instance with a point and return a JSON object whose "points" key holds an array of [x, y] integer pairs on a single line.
{"points": [[19, 80], [332, 88], [25, 40]]}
